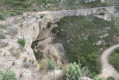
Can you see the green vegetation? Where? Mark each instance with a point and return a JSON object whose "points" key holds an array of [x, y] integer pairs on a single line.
{"points": [[79, 36], [2, 17], [3, 26], [73, 72], [12, 7], [42, 1], [114, 58], [16, 12], [8, 75], [15, 52], [2, 35], [111, 2], [17, 3], [38, 55], [22, 42], [96, 78], [51, 65], [93, 4], [27, 64], [110, 78]]}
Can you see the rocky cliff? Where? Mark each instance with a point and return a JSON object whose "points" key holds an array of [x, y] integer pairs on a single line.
{"points": [[29, 26]]}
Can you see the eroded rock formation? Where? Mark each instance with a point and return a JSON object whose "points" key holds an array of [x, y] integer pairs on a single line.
{"points": [[30, 26]]}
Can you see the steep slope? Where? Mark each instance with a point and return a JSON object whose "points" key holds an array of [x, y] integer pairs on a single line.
{"points": [[28, 26]]}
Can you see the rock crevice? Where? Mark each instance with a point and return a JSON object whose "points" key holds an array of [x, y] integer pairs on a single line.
{"points": [[30, 26]]}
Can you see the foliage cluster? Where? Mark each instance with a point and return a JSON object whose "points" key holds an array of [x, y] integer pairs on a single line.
{"points": [[2, 35], [16, 12], [38, 55], [36, 5], [110, 78], [17, 3], [79, 35], [3, 26], [51, 65], [8, 75], [2, 17], [27, 64], [73, 72], [22, 42], [114, 57]]}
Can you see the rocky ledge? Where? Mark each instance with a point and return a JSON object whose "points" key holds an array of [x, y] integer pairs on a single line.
{"points": [[30, 27]]}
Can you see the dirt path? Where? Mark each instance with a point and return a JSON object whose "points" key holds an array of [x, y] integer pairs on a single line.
{"points": [[107, 69]]}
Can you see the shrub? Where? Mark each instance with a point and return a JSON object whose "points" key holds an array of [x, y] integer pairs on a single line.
{"points": [[2, 17], [110, 78], [8, 75], [2, 35], [17, 3], [16, 12], [44, 65], [51, 65], [38, 55], [96, 78], [55, 30], [41, 16], [73, 72], [15, 52], [3, 26], [41, 1], [27, 64], [114, 58], [22, 42]]}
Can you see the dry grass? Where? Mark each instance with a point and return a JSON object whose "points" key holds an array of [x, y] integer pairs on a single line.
{"points": [[15, 52]]}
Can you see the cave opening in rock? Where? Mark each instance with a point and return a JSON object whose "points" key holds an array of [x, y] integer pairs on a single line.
{"points": [[102, 14], [37, 46], [49, 24]]}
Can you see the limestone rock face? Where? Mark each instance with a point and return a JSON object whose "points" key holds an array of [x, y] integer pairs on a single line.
{"points": [[13, 55], [86, 1], [103, 1]]}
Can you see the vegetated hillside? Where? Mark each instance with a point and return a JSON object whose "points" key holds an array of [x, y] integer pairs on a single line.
{"points": [[114, 58], [17, 7], [84, 38]]}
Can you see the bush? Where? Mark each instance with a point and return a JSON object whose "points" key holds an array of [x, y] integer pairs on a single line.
{"points": [[38, 55], [110, 78], [41, 1], [73, 72], [15, 52], [2, 17], [43, 65], [17, 3], [2, 35], [51, 65], [55, 30], [41, 16], [27, 64], [96, 78], [114, 58], [8, 75], [3, 26], [22, 42], [16, 12]]}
